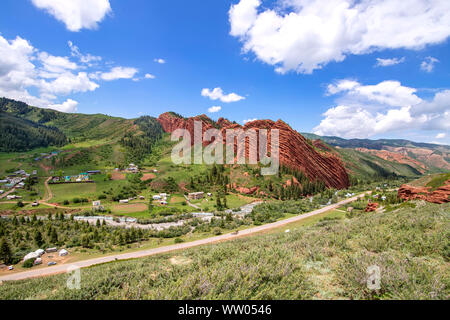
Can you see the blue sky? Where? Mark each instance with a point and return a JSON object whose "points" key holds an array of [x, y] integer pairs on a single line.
{"points": [[289, 71]]}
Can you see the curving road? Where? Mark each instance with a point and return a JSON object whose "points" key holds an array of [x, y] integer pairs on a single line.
{"points": [[149, 252]]}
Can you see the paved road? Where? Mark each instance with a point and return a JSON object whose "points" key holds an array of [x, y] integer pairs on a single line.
{"points": [[139, 254]]}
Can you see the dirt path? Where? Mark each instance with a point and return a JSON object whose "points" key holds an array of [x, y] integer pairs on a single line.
{"points": [[191, 204], [48, 190], [6, 193], [149, 252]]}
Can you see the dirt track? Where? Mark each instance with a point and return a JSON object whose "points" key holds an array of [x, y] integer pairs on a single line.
{"points": [[139, 254]]}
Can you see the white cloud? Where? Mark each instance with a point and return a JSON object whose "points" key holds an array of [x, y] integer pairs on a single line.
{"points": [[119, 73], [68, 106], [84, 58], [427, 65], [149, 76], [440, 135], [363, 111], [76, 14], [389, 62], [159, 60], [249, 120], [217, 93], [214, 109], [67, 83], [39, 78], [304, 35], [387, 92]]}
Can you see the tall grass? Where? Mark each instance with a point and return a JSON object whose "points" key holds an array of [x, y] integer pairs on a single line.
{"points": [[328, 260]]}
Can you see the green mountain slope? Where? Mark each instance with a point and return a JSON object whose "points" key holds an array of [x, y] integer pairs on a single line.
{"points": [[17, 134]]}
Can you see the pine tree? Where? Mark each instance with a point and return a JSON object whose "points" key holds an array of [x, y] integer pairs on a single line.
{"points": [[5, 251], [38, 238]]}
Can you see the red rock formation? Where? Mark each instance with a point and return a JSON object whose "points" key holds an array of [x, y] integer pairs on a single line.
{"points": [[371, 206], [440, 195], [295, 150], [320, 145], [399, 157]]}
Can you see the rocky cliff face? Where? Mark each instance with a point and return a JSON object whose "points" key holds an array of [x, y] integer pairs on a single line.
{"points": [[440, 195], [295, 150]]}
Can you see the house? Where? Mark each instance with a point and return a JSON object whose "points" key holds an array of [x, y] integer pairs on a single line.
{"points": [[2, 191], [37, 261], [39, 252], [196, 195], [383, 198], [123, 201], [34, 172], [96, 203], [155, 171], [63, 253], [31, 255], [141, 197], [3, 181]]}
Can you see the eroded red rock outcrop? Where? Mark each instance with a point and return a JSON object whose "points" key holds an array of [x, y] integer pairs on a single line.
{"points": [[371, 206], [295, 150], [440, 195]]}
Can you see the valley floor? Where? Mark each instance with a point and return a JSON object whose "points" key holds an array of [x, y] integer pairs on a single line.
{"points": [[142, 253]]}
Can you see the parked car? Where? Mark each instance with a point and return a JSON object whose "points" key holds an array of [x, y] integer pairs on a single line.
{"points": [[51, 263], [10, 268]]}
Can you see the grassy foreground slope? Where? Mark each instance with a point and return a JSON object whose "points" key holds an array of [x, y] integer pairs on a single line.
{"points": [[326, 261]]}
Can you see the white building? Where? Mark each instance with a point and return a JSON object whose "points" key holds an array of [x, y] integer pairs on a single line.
{"points": [[123, 201]]}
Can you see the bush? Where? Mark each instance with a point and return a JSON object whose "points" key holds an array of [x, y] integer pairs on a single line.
{"points": [[29, 263], [178, 240], [20, 204], [66, 202], [76, 200], [216, 231]]}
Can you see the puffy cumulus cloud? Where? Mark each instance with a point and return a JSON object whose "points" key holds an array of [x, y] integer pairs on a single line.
{"points": [[367, 110], [354, 122], [149, 76], [39, 78], [68, 106], [214, 109], [249, 120], [159, 60], [217, 93], [304, 35], [389, 62], [387, 92], [67, 83], [119, 73], [441, 135], [427, 65], [76, 14]]}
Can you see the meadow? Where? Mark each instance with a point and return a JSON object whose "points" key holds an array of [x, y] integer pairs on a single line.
{"points": [[326, 260]]}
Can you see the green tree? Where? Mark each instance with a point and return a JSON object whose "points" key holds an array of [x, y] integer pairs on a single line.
{"points": [[38, 238], [5, 251]]}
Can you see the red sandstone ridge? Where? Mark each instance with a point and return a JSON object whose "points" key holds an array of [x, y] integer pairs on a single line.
{"points": [[320, 145], [295, 151], [440, 195]]}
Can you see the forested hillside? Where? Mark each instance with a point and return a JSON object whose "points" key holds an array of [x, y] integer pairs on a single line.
{"points": [[17, 134]]}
